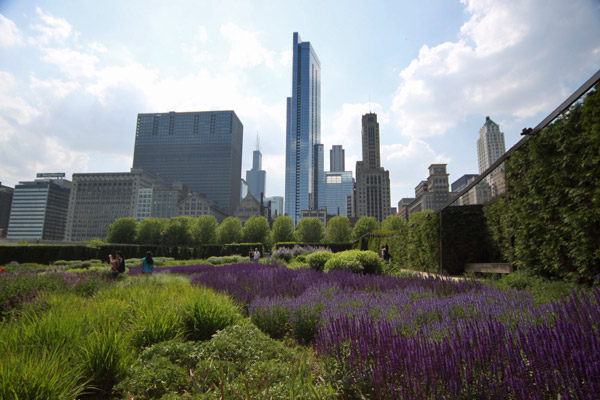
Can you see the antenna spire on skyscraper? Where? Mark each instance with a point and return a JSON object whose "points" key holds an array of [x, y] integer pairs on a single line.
{"points": [[257, 141]]}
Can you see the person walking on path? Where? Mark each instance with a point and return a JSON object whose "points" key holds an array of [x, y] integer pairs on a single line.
{"points": [[147, 263]]}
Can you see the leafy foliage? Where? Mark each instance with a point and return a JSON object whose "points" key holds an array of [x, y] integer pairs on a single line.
{"points": [[309, 230], [149, 231], [256, 230], [393, 223], [363, 226], [204, 230], [230, 231], [178, 231], [338, 230], [283, 229], [123, 230], [554, 196]]}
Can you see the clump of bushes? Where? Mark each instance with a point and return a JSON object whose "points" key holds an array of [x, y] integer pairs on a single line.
{"points": [[226, 260], [318, 259], [357, 261]]}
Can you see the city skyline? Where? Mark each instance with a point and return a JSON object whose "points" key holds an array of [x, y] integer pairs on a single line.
{"points": [[74, 77]]}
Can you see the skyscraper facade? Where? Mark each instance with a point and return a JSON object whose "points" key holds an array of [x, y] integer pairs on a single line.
{"points": [[372, 181], [337, 159], [303, 130], [338, 186], [39, 208], [98, 199], [6, 195], [490, 147], [256, 177], [200, 149]]}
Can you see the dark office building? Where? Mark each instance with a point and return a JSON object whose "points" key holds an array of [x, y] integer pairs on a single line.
{"points": [[39, 208], [200, 149], [6, 195]]}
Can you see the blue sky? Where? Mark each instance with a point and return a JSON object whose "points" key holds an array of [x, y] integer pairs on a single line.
{"points": [[74, 76]]}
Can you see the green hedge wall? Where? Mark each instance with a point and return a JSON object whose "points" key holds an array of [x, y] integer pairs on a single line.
{"points": [[43, 254], [553, 213]]}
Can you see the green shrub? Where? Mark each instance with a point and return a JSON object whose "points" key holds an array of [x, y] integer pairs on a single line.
{"points": [[207, 313], [318, 259], [356, 261], [162, 369]]}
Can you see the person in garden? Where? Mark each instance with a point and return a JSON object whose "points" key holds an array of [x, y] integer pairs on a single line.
{"points": [[251, 254], [382, 253], [117, 264], [147, 263], [256, 255], [387, 256]]}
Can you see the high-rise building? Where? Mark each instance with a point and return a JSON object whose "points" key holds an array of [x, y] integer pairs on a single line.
{"points": [[200, 149], [6, 195], [490, 147], [319, 177], [338, 186], [98, 199], [276, 205], [432, 193], [256, 177], [39, 208], [480, 194], [303, 130], [372, 181], [337, 158]]}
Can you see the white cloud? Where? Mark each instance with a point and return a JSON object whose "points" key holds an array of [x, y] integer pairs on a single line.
{"points": [[51, 29], [55, 87], [97, 47], [246, 50], [347, 124], [407, 161], [201, 36], [73, 63], [9, 33], [509, 59], [13, 110]]}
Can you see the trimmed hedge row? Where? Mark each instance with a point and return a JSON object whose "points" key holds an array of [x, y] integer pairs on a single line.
{"points": [[43, 254], [335, 247]]}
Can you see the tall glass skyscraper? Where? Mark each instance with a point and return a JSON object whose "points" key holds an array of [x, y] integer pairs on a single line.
{"points": [[200, 149], [303, 131], [256, 177]]}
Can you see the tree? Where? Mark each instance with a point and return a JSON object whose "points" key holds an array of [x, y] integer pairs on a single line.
{"points": [[178, 231], [309, 230], [364, 225], [204, 230], [393, 223], [256, 230], [149, 231], [230, 231], [338, 230], [122, 231], [283, 229]]}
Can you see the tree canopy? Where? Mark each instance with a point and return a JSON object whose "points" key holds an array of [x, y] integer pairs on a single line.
{"points": [[123, 230], [393, 223], [204, 229], [149, 231], [178, 231], [256, 230], [230, 231], [338, 230], [309, 230], [283, 229], [364, 225]]}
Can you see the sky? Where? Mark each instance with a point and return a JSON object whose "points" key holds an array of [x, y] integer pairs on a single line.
{"points": [[75, 74]]}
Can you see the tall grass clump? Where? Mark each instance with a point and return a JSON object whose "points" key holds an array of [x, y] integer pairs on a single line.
{"points": [[40, 375], [206, 313]]}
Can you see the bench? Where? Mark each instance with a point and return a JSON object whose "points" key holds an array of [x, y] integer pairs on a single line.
{"points": [[489, 268]]}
